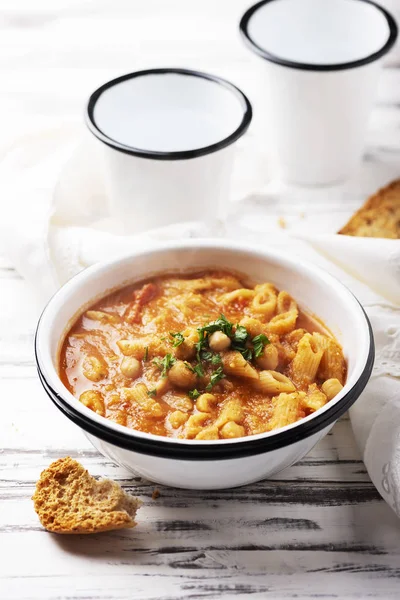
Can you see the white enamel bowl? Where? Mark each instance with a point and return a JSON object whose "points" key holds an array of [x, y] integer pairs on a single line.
{"points": [[222, 463]]}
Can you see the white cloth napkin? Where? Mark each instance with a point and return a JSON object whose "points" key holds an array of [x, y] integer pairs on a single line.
{"points": [[56, 224]]}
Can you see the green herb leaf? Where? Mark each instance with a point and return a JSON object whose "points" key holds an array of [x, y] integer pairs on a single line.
{"points": [[216, 376], [216, 359], [194, 394], [199, 345], [220, 324], [146, 354], [247, 354], [259, 342], [211, 357], [178, 339], [165, 364], [152, 393], [198, 369], [240, 336]]}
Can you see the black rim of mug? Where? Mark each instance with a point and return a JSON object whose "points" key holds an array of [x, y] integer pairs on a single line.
{"points": [[244, 24], [173, 155]]}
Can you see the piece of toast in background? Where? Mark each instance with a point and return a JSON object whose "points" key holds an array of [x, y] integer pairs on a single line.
{"points": [[69, 500], [380, 215]]}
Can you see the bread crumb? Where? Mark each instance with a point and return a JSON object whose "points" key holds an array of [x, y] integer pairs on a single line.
{"points": [[155, 494], [282, 222], [68, 499]]}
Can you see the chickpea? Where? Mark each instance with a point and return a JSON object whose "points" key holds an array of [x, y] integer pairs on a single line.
{"points": [[93, 400], [131, 367], [181, 376], [331, 387], [185, 351], [218, 341], [269, 358]]}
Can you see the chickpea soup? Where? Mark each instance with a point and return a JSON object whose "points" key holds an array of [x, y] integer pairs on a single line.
{"points": [[202, 357]]}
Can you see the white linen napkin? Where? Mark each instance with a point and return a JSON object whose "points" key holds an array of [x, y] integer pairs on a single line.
{"points": [[57, 224]]}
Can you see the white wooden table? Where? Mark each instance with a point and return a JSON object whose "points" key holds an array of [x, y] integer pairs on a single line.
{"points": [[319, 530]]}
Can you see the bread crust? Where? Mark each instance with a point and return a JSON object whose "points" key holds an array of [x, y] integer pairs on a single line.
{"points": [[68, 499], [380, 215]]}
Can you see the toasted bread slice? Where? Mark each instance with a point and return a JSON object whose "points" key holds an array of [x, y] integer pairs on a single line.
{"points": [[380, 215], [69, 500]]}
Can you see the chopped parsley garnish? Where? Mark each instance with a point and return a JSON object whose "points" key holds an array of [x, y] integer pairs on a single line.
{"points": [[220, 324], [216, 376], [198, 369], [216, 359], [211, 357], [200, 343], [240, 336], [247, 353], [239, 341], [146, 353], [259, 342], [165, 364], [152, 393], [194, 394], [177, 338]]}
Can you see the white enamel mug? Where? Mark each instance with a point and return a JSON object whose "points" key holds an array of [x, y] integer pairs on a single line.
{"points": [[319, 74], [168, 139]]}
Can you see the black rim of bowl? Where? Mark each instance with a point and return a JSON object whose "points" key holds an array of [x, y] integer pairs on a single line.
{"points": [[172, 155], [393, 32], [165, 448]]}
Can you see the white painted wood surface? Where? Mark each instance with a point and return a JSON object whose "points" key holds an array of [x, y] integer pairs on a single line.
{"points": [[320, 529]]}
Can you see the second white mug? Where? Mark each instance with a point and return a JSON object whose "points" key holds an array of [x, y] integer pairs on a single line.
{"points": [[320, 73]]}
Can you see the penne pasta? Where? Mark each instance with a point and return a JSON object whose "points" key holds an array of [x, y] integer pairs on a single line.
{"points": [[235, 364], [332, 364], [314, 399], [232, 430], [177, 418], [272, 382], [208, 433], [139, 395], [253, 326], [195, 424], [265, 300], [286, 410], [231, 411], [206, 402], [305, 364], [240, 294]]}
